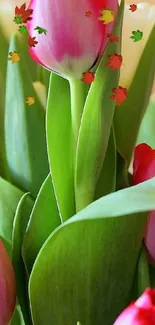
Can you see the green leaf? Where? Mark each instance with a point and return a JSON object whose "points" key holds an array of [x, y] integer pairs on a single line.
{"points": [[107, 180], [30, 64], [86, 268], [17, 317], [146, 132], [3, 64], [24, 128], [19, 226], [43, 220], [96, 124], [142, 272], [9, 198], [59, 144], [129, 114]]}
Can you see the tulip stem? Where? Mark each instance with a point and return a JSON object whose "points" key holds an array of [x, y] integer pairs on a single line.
{"points": [[77, 91]]}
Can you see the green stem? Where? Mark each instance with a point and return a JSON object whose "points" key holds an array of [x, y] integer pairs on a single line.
{"points": [[77, 91]]}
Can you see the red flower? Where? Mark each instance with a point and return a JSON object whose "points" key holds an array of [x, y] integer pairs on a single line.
{"points": [[144, 169], [140, 312]]}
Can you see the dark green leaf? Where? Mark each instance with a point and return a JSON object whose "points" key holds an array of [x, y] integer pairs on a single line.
{"points": [[43, 220], [20, 223]]}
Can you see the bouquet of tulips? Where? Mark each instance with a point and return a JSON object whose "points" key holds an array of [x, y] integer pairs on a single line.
{"points": [[77, 164]]}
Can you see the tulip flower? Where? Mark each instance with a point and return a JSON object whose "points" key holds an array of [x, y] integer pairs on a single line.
{"points": [[144, 169], [142, 19], [73, 41], [140, 312], [7, 287]]}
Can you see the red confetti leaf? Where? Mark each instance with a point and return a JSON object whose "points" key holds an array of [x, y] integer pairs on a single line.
{"points": [[88, 13], [133, 7], [113, 38], [120, 94], [24, 13], [115, 61], [32, 42], [88, 77]]}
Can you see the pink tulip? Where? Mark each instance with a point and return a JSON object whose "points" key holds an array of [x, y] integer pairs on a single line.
{"points": [[140, 312], [144, 169], [7, 287], [73, 41]]}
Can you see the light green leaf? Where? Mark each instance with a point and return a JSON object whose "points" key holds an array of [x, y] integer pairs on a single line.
{"points": [[85, 270], [19, 226], [43, 220], [9, 198], [129, 114], [147, 128], [59, 143], [24, 128], [107, 180], [96, 124], [17, 317]]}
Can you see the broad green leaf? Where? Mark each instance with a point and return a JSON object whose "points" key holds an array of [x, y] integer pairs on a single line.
{"points": [[19, 226], [96, 124], [43, 220], [17, 317], [129, 114], [31, 65], [86, 268], [24, 128], [147, 128], [59, 143], [3, 63], [9, 198], [107, 180]]}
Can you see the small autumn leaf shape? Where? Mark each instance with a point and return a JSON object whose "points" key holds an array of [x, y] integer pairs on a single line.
{"points": [[22, 15], [32, 42], [14, 57], [22, 29], [88, 13], [88, 77], [133, 7], [107, 16], [137, 35], [120, 94], [30, 100], [115, 61], [41, 30], [113, 38]]}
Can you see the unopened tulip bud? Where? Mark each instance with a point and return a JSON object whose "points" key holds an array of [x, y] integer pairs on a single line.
{"points": [[7, 287], [140, 312], [73, 36]]}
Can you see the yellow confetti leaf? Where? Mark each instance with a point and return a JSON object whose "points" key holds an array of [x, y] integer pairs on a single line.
{"points": [[14, 57], [30, 100], [107, 16]]}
